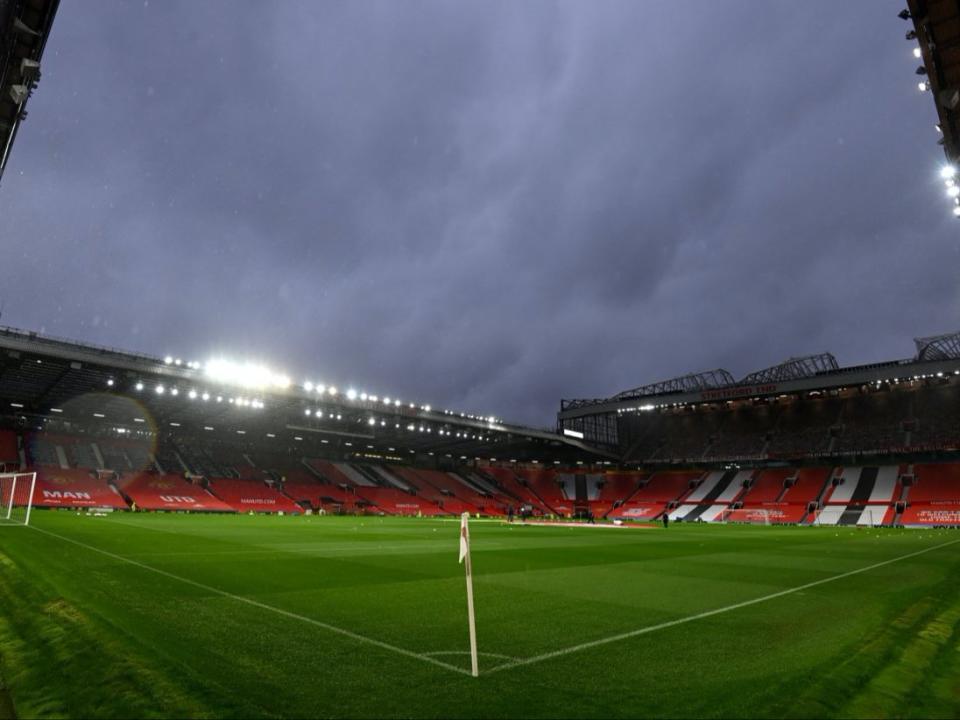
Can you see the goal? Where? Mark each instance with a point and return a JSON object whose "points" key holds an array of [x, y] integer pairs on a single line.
{"points": [[754, 516], [16, 497]]}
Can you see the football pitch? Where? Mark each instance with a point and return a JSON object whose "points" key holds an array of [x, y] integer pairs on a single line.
{"points": [[265, 616]]}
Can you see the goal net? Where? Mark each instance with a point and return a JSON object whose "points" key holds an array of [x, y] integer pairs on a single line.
{"points": [[754, 516], [16, 497]]}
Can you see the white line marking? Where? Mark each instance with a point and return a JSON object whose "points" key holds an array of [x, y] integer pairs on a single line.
{"points": [[467, 652], [263, 606], [708, 613]]}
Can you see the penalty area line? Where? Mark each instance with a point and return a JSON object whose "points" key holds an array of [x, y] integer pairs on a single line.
{"points": [[263, 606], [708, 613]]}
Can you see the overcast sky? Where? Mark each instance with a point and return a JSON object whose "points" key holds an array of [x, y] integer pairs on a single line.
{"points": [[486, 206]]}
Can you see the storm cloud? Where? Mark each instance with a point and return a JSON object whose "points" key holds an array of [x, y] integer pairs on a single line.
{"points": [[486, 206]]}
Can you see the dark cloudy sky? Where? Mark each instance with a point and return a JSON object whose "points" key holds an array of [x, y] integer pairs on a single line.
{"points": [[482, 205]]}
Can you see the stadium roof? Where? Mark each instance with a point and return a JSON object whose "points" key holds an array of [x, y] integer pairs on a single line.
{"points": [[48, 382], [936, 30], [938, 347], [937, 354], [24, 28]]}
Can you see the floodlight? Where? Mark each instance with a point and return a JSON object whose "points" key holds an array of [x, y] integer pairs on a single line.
{"points": [[372, 398], [192, 395], [110, 382], [245, 374], [363, 396], [922, 86], [168, 359], [160, 389], [174, 391], [321, 388], [332, 390], [319, 413], [386, 401], [953, 191], [956, 210], [206, 396], [948, 171], [307, 412], [308, 386], [917, 52], [351, 394]]}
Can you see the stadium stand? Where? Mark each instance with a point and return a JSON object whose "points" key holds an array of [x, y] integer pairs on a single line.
{"points": [[152, 491], [249, 495], [73, 488], [9, 448]]}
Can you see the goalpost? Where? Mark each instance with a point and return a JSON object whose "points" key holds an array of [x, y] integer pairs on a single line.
{"points": [[16, 497]]}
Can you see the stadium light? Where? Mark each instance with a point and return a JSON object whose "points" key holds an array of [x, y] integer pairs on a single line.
{"points": [[363, 397], [168, 360], [160, 389], [948, 171], [174, 392], [110, 382], [953, 191], [206, 396], [246, 375], [351, 394], [308, 386], [956, 210], [372, 421], [332, 390], [917, 53], [307, 412], [321, 388], [192, 394], [139, 386], [922, 86]]}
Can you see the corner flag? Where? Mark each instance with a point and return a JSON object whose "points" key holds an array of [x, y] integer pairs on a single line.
{"points": [[464, 537], [465, 555]]}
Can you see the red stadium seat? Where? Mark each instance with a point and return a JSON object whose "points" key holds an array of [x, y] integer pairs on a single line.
{"points": [[247, 495], [74, 488], [152, 491]]}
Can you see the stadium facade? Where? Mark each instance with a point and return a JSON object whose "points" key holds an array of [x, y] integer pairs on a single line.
{"points": [[805, 441]]}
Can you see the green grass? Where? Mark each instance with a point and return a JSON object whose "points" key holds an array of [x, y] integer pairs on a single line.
{"points": [[87, 634]]}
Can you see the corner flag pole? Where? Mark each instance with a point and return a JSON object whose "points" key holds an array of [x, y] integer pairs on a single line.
{"points": [[465, 556]]}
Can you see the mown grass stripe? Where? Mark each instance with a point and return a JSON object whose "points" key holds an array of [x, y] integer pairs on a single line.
{"points": [[263, 606], [710, 613]]}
